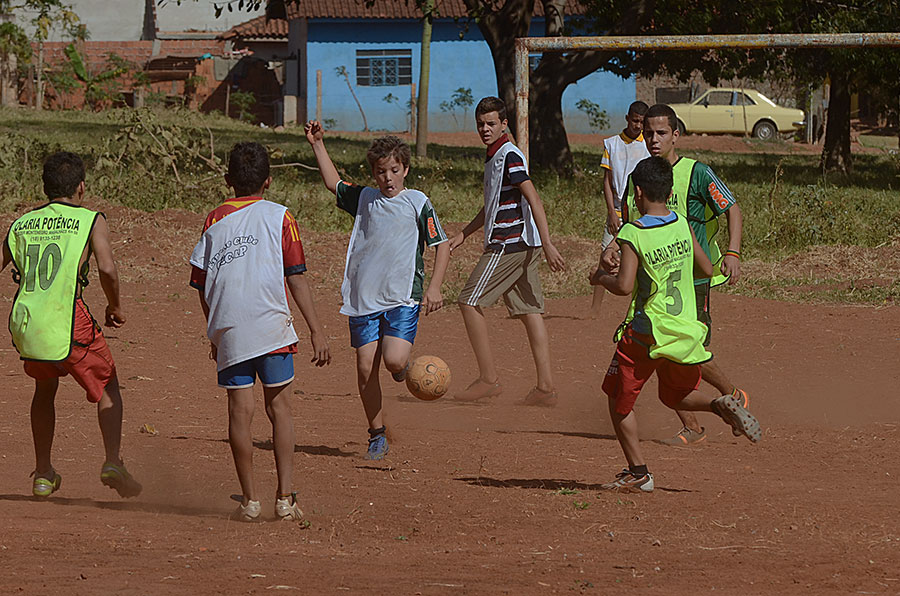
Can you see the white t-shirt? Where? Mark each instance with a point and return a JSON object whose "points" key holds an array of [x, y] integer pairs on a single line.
{"points": [[385, 265], [249, 313], [620, 155]]}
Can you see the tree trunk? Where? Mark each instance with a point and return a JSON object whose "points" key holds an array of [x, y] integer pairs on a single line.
{"points": [[836, 152], [424, 72], [39, 95]]}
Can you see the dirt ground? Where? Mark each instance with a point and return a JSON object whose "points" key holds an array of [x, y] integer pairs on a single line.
{"points": [[472, 499]]}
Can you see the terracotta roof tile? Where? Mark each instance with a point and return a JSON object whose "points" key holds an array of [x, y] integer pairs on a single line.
{"points": [[260, 27], [390, 9]]}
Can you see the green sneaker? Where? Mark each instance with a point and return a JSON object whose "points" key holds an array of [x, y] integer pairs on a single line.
{"points": [[44, 487], [117, 477]]}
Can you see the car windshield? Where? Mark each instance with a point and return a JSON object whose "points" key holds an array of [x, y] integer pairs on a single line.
{"points": [[767, 100]]}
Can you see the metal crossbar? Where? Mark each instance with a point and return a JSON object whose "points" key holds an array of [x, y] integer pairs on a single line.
{"points": [[525, 45]]}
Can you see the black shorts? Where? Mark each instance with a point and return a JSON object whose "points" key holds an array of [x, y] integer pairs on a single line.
{"points": [[702, 293]]}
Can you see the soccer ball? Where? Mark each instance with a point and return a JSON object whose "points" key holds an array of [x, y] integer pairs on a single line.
{"points": [[428, 378]]}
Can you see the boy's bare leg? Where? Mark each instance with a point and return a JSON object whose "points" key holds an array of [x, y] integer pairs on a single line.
{"points": [[477, 330], [395, 353], [539, 341], [43, 425], [240, 437], [627, 432], [597, 302], [689, 421], [109, 415], [278, 409], [368, 358], [713, 375]]}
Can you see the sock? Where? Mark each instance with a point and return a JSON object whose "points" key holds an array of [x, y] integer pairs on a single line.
{"points": [[374, 432], [638, 471]]}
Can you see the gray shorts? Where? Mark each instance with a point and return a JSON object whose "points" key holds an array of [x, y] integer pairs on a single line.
{"points": [[511, 275]]}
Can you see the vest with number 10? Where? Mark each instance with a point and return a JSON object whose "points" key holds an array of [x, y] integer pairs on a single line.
{"points": [[682, 172], [46, 246]]}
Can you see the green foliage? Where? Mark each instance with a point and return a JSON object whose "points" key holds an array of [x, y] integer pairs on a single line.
{"points": [[99, 88], [461, 98], [14, 41], [133, 157], [597, 119], [244, 101]]}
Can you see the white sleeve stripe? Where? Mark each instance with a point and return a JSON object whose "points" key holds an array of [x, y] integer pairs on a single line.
{"points": [[516, 169]]}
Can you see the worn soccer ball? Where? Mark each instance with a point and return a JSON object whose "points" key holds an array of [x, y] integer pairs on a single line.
{"points": [[428, 378]]}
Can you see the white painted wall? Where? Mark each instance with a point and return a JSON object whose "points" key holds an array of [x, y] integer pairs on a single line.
{"points": [[123, 20]]}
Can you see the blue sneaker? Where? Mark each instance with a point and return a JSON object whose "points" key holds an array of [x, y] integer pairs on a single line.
{"points": [[378, 446]]}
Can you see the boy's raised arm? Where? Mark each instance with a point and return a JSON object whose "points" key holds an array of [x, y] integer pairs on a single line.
{"points": [[109, 275], [315, 134], [554, 259], [299, 288]]}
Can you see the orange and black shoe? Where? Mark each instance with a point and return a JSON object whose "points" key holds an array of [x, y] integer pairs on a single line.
{"points": [[744, 399], [686, 437]]}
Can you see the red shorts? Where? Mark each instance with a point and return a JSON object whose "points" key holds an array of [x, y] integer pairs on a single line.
{"points": [[90, 363], [631, 366]]}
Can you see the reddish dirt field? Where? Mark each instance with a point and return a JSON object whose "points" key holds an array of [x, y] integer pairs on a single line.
{"points": [[472, 499]]}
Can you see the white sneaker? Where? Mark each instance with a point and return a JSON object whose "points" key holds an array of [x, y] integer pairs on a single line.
{"points": [[287, 508], [247, 513]]}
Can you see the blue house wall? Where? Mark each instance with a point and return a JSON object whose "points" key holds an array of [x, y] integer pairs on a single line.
{"points": [[460, 58]]}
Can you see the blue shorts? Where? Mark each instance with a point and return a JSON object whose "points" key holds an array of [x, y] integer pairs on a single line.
{"points": [[400, 321], [274, 370]]}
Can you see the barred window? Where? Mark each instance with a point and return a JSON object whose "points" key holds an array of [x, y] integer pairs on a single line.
{"points": [[383, 68]]}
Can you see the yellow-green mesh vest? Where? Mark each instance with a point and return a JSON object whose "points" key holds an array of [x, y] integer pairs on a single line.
{"points": [[46, 246], [666, 254], [682, 172]]}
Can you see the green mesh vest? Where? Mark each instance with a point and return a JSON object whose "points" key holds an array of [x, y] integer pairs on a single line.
{"points": [[706, 226], [666, 254], [46, 246]]}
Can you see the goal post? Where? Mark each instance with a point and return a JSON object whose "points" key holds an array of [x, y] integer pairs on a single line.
{"points": [[526, 45]]}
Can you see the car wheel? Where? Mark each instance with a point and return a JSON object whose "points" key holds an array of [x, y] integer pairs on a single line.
{"points": [[681, 129], [764, 130]]}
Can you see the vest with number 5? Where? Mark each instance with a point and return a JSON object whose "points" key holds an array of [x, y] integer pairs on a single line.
{"points": [[46, 246], [666, 254]]}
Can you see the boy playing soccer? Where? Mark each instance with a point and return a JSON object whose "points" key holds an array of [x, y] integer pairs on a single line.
{"points": [[383, 288], [661, 332], [515, 230], [699, 196], [620, 154], [51, 326], [250, 249]]}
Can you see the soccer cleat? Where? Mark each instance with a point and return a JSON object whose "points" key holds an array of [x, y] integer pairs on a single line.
{"points": [[479, 390], [627, 481], [400, 375], [44, 487], [686, 436], [378, 447], [287, 508], [742, 422], [247, 513], [744, 399], [117, 477], [543, 399]]}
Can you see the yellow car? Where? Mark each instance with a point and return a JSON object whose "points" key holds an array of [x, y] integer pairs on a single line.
{"points": [[737, 111]]}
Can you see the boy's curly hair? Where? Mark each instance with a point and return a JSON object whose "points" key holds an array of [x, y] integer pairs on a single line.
{"points": [[248, 168], [63, 172], [389, 146]]}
